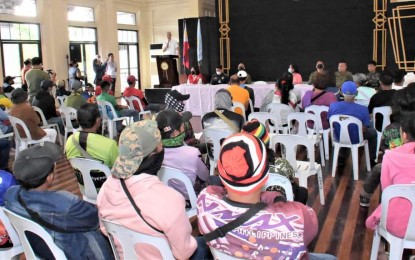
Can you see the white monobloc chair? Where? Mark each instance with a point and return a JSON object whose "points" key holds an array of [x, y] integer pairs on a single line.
{"points": [[281, 111], [214, 136], [406, 191], [302, 129], [303, 169], [45, 123], [282, 181], [13, 252], [240, 106], [260, 82], [22, 225], [319, 111], [343, 140], [23, 143], [68, 114], [109, 121], [166, 174], [85, 166], [386, 112], [61, 100], [130, 101], [265, 118], [128, 238]]}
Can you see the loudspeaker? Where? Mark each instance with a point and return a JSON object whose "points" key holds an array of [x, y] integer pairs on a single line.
{"points": [[75, 51]]}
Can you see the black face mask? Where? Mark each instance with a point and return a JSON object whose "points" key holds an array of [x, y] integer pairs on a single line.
{"points": [[151, 164], [241, 68], [320, 66], [193, 72]]}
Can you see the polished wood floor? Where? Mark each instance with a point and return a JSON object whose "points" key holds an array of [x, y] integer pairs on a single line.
{"points": [[342, 230]]}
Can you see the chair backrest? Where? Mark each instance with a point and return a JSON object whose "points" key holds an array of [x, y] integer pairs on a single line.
{"points": [[260, 82], [281, 110], [304, 120], [128, 238], [107, 110], [240, 106], [218, 255], [405, 191], [282, 181], [344, 121], [61, 100], [215, 136], [41, 115], [265, 118], [18, 122], [386, 112], [23, 225], [130, 102], [68, 113], [318, 111], [85, 166], [290, 142], [14, 237]]}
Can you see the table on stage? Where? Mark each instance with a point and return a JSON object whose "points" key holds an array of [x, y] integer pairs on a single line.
{"points": [[202, 97]]}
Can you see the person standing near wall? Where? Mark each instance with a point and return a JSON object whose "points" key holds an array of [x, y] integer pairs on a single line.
{"points": [[112, 70]]}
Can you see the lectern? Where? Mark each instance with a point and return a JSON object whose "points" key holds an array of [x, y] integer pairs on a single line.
{"points": [[167, 69]]}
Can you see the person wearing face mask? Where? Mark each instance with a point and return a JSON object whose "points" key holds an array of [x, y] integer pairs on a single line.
{"points": [[162, 209], [195, 77], [242, 67], [293, 69], [319, 69], [171, 125], [74, 72], [220, 77]]}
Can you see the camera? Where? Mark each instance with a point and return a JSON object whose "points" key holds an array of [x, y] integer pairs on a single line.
{"points": [[49, 71]]}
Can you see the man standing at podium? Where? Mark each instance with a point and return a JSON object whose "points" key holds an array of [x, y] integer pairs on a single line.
{"points": [[170, 47]]}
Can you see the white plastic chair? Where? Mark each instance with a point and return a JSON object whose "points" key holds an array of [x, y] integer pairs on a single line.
{"points": [[219, 255], [343, 140], [319, 110], [303, 169], [303, 119], [131, 106], [68, 114], [214, 136], [45, 123], [251, 106], [281, 111], [85, 166], [405, 191], [265, 118], [22, 224], [110, 122], [166, 174], [240, 106], [128, 238], [61, 100], [23, 143], [282, 181], [260, 82], [17, 249], [386, 112]]}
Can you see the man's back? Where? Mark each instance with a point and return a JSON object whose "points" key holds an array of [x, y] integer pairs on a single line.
{"points": [[75, 100], [382, 98], [239, 94], [212, 120], [34, 77], [131, 91]]}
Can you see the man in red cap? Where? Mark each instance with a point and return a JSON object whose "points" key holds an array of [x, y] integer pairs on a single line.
{"points": [[135, 92], [98, 89]]}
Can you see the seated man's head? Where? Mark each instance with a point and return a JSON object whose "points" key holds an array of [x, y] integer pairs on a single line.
{"points": [[234, 80], [219, 69], [108, 78], [349, 90], [342, 66], [174, 99], [88, 117], [242, 75], [320, 65], [386, 80], [243, 165], [321, 81], [241, 66], [171, 126], [61, 84], [131, 81], [9, 80], [76, 86], [371, 66], [105, 86], [399, 77], [34, 166], [89, 87], [18, 96], [47, 85], [360, 79], [139, 150], [223, 99]]}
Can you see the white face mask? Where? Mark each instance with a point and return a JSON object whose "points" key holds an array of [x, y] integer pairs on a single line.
{"points": [[218, 72], [290, 70]]}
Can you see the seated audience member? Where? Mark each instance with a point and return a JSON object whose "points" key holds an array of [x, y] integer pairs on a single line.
{"points": [[364, 93], [179, 156], [88, 94], [7, 84], [223, 117], [397, 168], [5, 102], [318, 96], [121, 110], [342, 74], [162, 209], [372, 75], [23, 110], [398, 79], [293, 69], [220, 77], [238, 93], [319, 69], [6, 181], [5, 126], [98, 89], [243, 76], [45, 101], [243, 169], [283, 93], [135, 92], [241, 67], [73, 223], [75, 100], [61, 88], [350, 108], [195, 77], [5, 146], [98, 147]]}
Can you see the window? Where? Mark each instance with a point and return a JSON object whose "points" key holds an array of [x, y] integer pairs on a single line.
{"points": [[128, 51], [126, 18], [80, 14], [20, 8]]}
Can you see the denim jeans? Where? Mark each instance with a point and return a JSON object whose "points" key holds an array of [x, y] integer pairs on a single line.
{"points": [[372, 181], [59, 122], [371, 136], [319, 256]]}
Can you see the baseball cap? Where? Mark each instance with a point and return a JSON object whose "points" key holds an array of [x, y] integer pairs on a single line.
{"points": [[76, 85], [242, 74], [60, 83], [168, 121], [107, 78], [131, 78], [36, 162], [349, 88], [257, 129], [178, 96], [242, 164], [137, 141], [8, 78], [46, 84]]}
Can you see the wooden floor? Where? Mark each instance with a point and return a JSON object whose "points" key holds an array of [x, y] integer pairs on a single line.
{"points": [[341, 220]]}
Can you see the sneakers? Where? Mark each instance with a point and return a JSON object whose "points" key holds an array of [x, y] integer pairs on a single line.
{"points": [[364, 201]]}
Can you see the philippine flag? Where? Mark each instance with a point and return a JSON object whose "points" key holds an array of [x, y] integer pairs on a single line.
{"points": [[186, 62]]}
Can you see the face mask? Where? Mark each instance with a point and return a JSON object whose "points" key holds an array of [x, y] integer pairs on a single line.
{"points": [[151, 164], [174, 141], [218, 72], [320, 66], [290, 70], [241, 68], [193, 72]]}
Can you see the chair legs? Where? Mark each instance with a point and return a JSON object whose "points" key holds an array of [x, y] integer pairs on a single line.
{"points": [[355, 161], [375, 246], [326, 144], [396, 248], [322, 159], [212, 167], [379, 138], [320, 186], [368, 167], [335, 158]]}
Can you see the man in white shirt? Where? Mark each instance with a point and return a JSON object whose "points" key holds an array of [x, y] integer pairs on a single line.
{"points": [[112, 70], [170, 47]]}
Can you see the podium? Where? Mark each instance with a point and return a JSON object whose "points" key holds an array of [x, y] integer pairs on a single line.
{"points": [[167, 70]]}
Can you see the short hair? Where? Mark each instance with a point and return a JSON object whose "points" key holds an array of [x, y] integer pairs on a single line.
{"points": [[360, 78], [321, 81], [343, 61], [105, 85], [27, 62], [36, 61], [110, 54], [372, 62], [234, 80], [399, 76], [18, 96], [386, 78], [219, 67], [87, 115], [295, 67]]}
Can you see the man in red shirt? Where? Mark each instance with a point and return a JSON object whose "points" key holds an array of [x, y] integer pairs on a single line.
{"points": [[132, 91]]}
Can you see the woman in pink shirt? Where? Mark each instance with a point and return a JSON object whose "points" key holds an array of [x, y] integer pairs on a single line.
{"points": [[293, 69]]}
